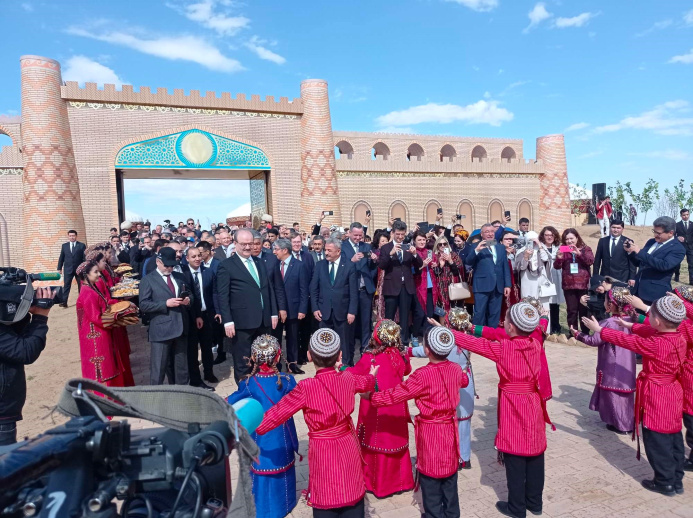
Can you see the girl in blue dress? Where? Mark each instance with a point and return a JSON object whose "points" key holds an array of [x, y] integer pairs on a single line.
{"points": [[274, 475]]}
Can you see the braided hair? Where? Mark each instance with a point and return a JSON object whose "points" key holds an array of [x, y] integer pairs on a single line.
{"points": [[256, 367]]}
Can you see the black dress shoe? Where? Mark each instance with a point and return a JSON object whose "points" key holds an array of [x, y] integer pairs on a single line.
{"points": [[612, 428], [688, 465], [202, 385], [211, 378], [296, 369], [465, 464], [302, 362], [535, 513], [503, 509], [650, 485], [679, 489], [63, 305]]}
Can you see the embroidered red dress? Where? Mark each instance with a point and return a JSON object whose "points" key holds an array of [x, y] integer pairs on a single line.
{"points": [[99, 357], [335, 466], [435, 389], [120, 334], [498, 334], [522, 413], [384, 431]]}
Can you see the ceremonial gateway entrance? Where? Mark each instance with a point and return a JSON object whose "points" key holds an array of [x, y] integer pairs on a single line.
{"points": [[72, 147]]}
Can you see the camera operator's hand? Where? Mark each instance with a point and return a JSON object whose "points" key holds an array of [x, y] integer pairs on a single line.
{"points": [[42, 293]]}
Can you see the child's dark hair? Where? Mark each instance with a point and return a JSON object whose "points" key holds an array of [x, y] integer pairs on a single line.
{"points": [[256, 368], [322, 362]]}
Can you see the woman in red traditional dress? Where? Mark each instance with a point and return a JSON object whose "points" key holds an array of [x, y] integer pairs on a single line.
{"points": [[99, 356], [383, 432], [104, 284]]}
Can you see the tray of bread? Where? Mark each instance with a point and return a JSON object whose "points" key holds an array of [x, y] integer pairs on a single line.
{"points": [[122, 268], [121, 291], [120, 314]]}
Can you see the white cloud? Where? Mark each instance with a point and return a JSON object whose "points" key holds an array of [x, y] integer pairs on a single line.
{"points": [[667, 154], [184, 48], [487, 95], [688, 17], [686, 59], [27, 7], [83, 70], [576, 126], [591, 154], [537, 15], [664, 119], [477, 5], [395, 129], [257, 46], [481, 112], [658, 26], [205, 13], [575, 21], [243, 210]]}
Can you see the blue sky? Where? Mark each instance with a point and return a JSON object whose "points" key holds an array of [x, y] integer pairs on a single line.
{"points": [[615, 77]]}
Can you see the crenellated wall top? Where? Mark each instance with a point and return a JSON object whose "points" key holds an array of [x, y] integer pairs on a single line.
{"points": [[413, 137], [71, 91]]}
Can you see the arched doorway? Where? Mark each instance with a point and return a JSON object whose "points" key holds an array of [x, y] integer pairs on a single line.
{"points": [[524, 210], [399, 210], [431, 211], [466, 210], [358, 213], [495, 211]]}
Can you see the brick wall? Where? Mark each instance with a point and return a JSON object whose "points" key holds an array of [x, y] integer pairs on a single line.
{"points": [[11, 212], [555, 195]]}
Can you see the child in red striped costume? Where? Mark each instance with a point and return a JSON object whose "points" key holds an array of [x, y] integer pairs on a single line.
{"points": [[658, 395], [522, 417], [685, 293], [435, 388], [335, 486]]}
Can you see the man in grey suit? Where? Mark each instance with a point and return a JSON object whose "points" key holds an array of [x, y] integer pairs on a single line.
{"points": [[166, 299], [317, 245]]}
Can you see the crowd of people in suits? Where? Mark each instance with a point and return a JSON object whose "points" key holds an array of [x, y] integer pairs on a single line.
{"points": [[222, 290]]}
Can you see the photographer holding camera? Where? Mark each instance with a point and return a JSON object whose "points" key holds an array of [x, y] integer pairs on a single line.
{"points": [[22, 338]]}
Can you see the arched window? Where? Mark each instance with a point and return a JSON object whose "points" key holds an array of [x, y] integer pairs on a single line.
{"points": [[495, 211], [343, 148], [479, 154], [447, 152], [380, 150], [508, 154], [431, 211], [524, 210], [466, 210], [5, 140], [359, 212], [415, 152], [399, 210]]}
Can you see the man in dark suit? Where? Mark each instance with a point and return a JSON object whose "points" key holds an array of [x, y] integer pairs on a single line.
{"points": [[397, 260], [611, 258], [657, 260], [246, 299], [684, 234], [307, 325], [200, 282], [224, 250], [211, 266], [491, 278], [163, 299], [317, 245], [293, 275], [366, 265], [71, 256], [334, 293]]}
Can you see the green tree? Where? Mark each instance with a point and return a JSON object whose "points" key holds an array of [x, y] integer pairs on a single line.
{"points": [[618, 196], [680, 196], [645, 200]]}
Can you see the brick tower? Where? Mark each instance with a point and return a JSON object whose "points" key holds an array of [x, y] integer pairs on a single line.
{"points": [[318, 176], [52, 203], [554, 199]]}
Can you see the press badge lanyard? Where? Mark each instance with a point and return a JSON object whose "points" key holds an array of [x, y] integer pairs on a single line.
{"points": [[573, 265]]}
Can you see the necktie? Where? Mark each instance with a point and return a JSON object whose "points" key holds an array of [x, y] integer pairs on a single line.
{"points": [[332, 273], [72, 248], [251, 268], [613, 245], [297, 255], [657, 245], [197, 281], [283, 263], [170, 284], [319, 256], [400, 256]]}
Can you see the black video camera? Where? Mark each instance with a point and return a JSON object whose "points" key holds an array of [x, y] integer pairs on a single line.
{"points": [[17, 293], [80, 468]]}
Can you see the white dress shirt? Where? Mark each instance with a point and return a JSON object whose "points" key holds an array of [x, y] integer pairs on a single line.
{"points": [[657, 246], [163, 276]]}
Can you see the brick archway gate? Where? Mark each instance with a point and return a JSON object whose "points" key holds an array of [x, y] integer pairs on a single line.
{"points": [[193, 152]]}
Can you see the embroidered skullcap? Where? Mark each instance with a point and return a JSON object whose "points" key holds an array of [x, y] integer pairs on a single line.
{"points": [[440, 340], [264, 349], [458, 319], [524, 316], [618, 295], [324, 343], [462, 233], [83, 267], [685, 292], [88, 249], [533, 301], [386, 333], [91, 256], [671, 309]]}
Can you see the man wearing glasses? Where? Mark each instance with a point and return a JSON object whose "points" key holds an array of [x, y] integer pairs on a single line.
{"points": [[247, 301], [657, 260]]}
